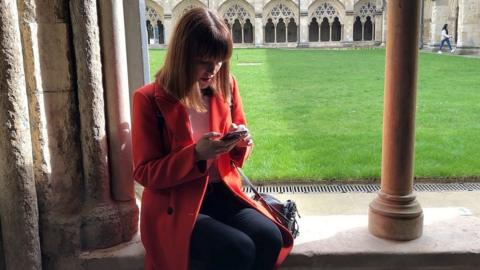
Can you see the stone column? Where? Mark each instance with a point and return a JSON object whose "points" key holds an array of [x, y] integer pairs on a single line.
{"points": [[136, 42], [348, 29], [440, 10], [18, 199], [395, 213], [259, 31], [378, 27], [468, 27], [117, 98], [304, 28], [168, 28]]}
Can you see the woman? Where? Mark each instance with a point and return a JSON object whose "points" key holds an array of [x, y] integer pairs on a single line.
{"points": [[445, 38], [193, 208]]}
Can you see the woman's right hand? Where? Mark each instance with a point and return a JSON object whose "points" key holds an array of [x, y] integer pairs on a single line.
{"points": [[209, 148]]}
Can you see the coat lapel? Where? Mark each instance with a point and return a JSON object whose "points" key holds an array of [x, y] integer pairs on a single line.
{"points": [[176, 117]]}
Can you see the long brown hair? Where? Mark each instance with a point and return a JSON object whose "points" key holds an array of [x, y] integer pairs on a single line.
{"points": [[200, 33]]}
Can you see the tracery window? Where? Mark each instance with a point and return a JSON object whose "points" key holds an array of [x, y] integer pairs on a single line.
{"points": [[238, 18], [324, 17]]}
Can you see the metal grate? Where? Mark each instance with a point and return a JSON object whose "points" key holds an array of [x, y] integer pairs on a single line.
{"points": [[363, 188]]}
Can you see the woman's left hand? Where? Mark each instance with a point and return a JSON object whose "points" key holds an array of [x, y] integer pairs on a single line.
{"points": [[245, 140]]}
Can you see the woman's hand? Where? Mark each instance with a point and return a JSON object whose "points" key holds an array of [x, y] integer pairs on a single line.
{"points": [[245, 140], [209, 148]]}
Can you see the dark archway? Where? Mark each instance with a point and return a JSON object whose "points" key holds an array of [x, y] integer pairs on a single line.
{"points": [[357, 30], [161, 32], [325, 30], [336, 30], [281, 33], [149, 31], [269, 32], [368, 29], [248, 32], [292, 31], [313, 30], [237, 32]]}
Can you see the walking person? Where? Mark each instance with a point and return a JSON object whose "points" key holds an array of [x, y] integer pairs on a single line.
{"points": [[445, 39], [194, 214]]}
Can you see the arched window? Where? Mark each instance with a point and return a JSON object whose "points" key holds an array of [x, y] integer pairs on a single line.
{"points": [[292, 31], [248, 32], [281, 31], [336, 30], [269, 32], [313, 31], [357, 30], [325, 30], [368, 29], [149, 31], [237, 32], [161, 38]]}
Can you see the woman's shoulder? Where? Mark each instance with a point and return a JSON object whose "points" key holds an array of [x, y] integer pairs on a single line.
{"points": [[146, 90]]}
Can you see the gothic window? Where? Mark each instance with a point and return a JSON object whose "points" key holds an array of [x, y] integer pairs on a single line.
{"points": [[292, 31], [368, 29], [281, 31], [325, 30], [336, 30], [325, 10], [149, 31], [236, 12], [357, 29], [151, 14], [281, 11], [161, 39], [237, 31], [248, 32], [367, 10], [269, 32], [313, 31]]}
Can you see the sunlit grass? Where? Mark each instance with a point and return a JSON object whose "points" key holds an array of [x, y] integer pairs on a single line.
{"points": [[317, 114]]}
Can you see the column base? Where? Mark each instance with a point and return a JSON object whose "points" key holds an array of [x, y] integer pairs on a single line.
{"points": [[395, 217], [108, 224]]}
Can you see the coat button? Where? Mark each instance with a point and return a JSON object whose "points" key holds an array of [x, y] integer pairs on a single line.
{"points": [[170, 210]]}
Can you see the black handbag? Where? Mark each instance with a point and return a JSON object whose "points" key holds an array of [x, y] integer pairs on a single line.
{"points": [[285, 212]]}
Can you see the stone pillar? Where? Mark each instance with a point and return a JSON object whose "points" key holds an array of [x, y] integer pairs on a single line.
{"points": [[348, 28], [136, 41], [468, 27], [168, 28], [18, 199], [304, 28], [378, 28], [104, 222], [395, 213], [440, 11], [117, 98], [259, 31]]}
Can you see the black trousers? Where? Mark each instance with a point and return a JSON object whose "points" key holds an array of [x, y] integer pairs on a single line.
{"points": [[230, 236]]}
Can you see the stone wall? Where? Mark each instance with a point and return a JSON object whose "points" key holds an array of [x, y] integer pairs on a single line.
{"points": [[56, 151]]}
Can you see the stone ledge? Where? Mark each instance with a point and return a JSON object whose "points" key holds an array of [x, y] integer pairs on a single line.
{"points": [[450, 240]]}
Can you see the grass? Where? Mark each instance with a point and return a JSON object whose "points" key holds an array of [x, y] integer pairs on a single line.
{"points": [[317, 114]]}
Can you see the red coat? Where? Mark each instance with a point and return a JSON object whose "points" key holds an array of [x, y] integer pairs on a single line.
{"points": [[174, 185]]}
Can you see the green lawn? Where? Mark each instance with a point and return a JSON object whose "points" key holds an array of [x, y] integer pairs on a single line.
{"points": [[317, 114]]}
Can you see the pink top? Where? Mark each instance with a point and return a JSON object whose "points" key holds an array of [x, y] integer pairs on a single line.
{"points": [[200, 124]]}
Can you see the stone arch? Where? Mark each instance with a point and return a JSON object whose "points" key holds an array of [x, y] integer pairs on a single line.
{"points": [[368, 29], [269, 31], [237, 9], [364, 8], [326, 9], [280, 9], [240, 11], [357, 29], [155, 22], [184, 6], [324, 30], [313, 30]]}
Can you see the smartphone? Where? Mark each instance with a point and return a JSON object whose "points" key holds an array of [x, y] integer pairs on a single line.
{"points": [[233, 135]]}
